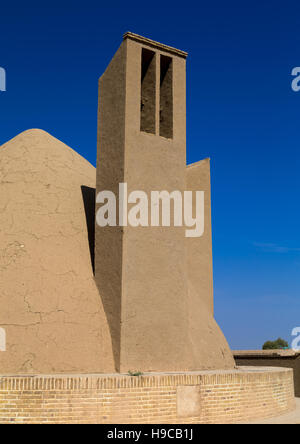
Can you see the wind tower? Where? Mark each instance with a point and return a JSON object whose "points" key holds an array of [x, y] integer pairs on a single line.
{"points": [[142, 272]]}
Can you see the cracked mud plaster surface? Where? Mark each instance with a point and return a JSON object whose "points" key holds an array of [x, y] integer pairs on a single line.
{"points": [[49, 304]]}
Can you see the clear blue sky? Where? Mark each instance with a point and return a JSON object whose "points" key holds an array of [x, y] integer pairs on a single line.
{"points": [[241, 112]]}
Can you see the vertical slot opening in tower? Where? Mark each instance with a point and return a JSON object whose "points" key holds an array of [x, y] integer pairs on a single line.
{"points": [[148, 107], [166, 97]]}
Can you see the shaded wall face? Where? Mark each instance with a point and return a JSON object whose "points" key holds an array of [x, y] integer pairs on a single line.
{"points": [[199, 249], [293, 363], [110, 172]]}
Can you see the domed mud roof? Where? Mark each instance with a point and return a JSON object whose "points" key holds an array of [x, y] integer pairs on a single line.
{"points": [[49, 304]]}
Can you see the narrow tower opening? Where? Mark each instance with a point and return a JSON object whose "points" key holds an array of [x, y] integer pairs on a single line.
{"points": [[148, 91], [166, 97]]}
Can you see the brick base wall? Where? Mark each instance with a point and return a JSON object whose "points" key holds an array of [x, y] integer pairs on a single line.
{"points": [[271, 358], [197, 397]]}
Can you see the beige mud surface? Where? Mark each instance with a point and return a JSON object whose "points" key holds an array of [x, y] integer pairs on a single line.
{"points": [[49, 304]]}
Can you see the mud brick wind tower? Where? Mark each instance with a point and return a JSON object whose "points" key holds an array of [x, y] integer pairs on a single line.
{"points": [[72, 333], [155, 284]]}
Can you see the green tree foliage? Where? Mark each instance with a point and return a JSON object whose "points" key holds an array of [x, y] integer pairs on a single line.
{"points": [[275, 345]]}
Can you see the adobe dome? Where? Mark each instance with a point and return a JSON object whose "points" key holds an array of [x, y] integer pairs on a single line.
{"points": [[49, 305]]}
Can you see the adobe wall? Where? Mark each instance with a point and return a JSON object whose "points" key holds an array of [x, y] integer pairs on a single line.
{"points": [[50, 307], [199, 249], [272, 358], [196, 397], [156, 285], [141, 271]]}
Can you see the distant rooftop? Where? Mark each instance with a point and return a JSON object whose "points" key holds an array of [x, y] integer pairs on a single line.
{"points": [[153, 44], [265, 353]]}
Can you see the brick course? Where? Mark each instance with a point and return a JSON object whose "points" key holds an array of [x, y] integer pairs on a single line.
{"points": [[224, 397]]}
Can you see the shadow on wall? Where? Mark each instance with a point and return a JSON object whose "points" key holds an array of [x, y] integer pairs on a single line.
{"points": [[109, 264], [89, 201]]}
